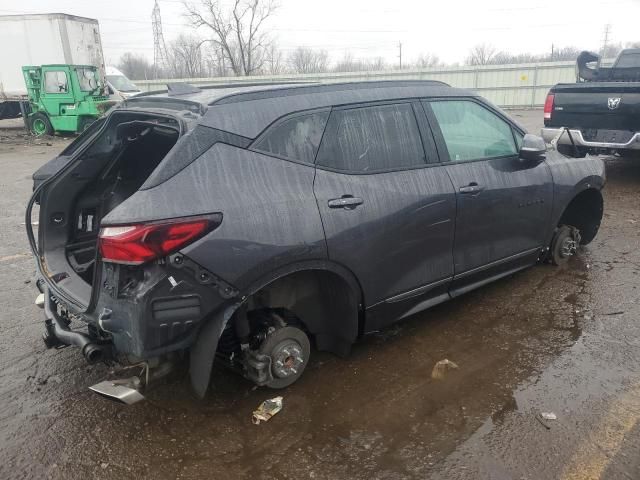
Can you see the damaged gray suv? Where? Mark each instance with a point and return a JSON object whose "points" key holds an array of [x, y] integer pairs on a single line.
{"points": [[252, 224]]}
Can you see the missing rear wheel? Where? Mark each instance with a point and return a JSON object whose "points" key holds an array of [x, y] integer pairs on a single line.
{"points": [[289, 350]]}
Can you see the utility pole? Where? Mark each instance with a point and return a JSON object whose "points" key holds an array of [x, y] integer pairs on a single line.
{"points": [[400, 53], [605, 39], [552, 52]]}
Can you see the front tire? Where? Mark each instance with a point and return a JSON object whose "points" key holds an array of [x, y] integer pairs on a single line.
{"points": [[40, 125]]}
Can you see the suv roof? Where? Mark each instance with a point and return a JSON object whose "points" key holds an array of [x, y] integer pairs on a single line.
{"points": [[238, 92], [263, 103]]}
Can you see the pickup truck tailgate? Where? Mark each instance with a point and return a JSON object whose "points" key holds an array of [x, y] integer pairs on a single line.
{"points": [[610, 106]]}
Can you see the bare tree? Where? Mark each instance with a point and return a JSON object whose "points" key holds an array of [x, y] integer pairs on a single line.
{"points": [[274, 63], [426, 60], [135, 66], [307, 60], [481, 54], [565, 53], [185, 57], [611, 50], [377, 63], [503, 58], [238, 31], [214, 61], [349, 63]]}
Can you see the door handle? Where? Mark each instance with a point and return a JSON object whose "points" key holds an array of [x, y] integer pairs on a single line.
{"points": [[348, 202], [473, 187]]}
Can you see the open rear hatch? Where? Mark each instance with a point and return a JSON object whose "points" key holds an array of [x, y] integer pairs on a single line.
{"points": [[104, 172]]}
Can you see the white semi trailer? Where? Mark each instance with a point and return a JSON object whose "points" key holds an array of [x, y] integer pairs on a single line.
{"points": [[43, 39]]}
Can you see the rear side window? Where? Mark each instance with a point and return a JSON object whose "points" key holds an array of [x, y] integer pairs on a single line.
{"points": [[295, 138], [370, 139], [473, 132]]}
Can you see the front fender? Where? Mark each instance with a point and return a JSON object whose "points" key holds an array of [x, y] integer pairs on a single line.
{"points": [[571, 176]]}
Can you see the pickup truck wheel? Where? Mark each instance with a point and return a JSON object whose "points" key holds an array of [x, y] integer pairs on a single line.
{"points": [[565, 244], [40, 125], [289, 349]]}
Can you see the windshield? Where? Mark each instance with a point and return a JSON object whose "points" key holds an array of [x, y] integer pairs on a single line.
{"points": [[122, 83], [88, 79]]}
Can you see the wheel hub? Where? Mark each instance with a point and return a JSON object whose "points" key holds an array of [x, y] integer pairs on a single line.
{"points": [[569, 247], [287, 358], [39, 127]]}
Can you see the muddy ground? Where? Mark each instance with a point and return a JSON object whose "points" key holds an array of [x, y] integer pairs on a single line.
{"points": [[561, 340]]}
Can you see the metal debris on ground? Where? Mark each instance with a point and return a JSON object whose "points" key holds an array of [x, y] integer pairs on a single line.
{"points": [[266, 410], [544, 417], [442, 367]]}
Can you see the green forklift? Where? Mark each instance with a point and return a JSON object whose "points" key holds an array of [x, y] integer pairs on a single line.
{"points": [[63, 98]]}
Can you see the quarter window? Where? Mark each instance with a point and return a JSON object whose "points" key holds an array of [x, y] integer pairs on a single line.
{"points": [[55, 82], [472, 132], [296, 138], [369, 139]]}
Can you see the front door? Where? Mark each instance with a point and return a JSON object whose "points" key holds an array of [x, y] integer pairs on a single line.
{"points": [[503, 202], [57, 93], [388, 214]]}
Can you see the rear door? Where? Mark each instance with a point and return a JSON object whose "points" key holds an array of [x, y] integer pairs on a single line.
{"points": [[387, 211], [503, 202]]}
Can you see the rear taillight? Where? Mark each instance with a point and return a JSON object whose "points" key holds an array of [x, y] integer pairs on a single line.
{"points": [[140, 243], [548, 106]]}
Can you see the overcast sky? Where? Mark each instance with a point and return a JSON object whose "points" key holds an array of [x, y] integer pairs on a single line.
{"points": [[372, 28]]}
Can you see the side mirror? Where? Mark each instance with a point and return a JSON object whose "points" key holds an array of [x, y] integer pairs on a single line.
{"points": [[533, 148]]}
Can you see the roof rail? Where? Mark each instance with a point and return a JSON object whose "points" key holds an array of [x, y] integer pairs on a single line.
{"points": [[324, 87]]}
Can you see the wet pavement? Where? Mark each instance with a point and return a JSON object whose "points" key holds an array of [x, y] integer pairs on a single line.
{"points": [[562, 340]]}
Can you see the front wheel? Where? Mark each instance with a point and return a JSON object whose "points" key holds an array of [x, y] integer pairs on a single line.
{"points": [[564, 244], [40, 124]]}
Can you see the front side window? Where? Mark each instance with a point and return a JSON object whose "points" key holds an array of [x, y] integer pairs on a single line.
{"points": [[55, 82], [472, 132], [370, 139], [295, 138], [87, 78]]}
